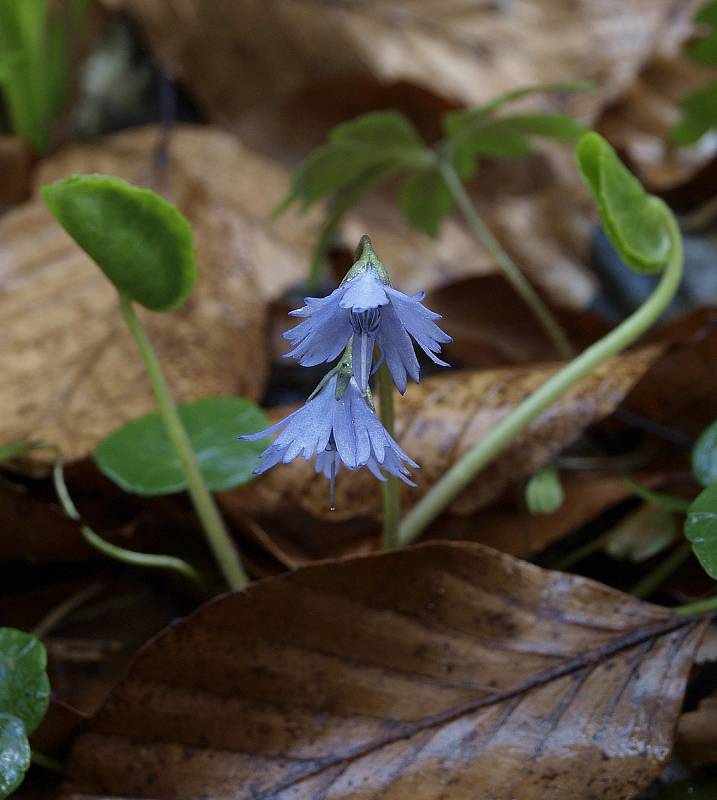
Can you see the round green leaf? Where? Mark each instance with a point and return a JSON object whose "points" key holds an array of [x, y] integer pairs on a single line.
{"points": [[141, 242], [633, 220], [24, 687], [701, 529], [140, 459], [704, 456], [14, 753]]}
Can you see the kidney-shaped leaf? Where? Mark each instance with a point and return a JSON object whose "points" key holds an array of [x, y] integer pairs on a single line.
{"points": [[24, 686], [439, 671], [141, 242], [14, 753], [140, 458], [701, 529], [634, 220]]}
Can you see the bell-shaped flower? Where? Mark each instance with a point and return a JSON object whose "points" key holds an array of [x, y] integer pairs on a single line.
{"points": [[337, 425], [368, 308]]}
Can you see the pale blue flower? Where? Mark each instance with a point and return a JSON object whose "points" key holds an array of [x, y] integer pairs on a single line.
{"points": [[368, 308], [338, 430]]}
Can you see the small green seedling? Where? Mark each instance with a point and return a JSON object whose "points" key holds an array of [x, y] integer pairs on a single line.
{"points": [[144, 246], [544, 491], [24, 700]]}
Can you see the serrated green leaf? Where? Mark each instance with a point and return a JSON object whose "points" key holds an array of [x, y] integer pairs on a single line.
{"points": [[704, 456], [550, 126], [24, 687], [704, 51], [331, 168], [565, 87], [473, 133], [140, 458], [632, 219], [14, 754], [707, 15], [376, 144], [701, 529], [380, 129], [426, 201], [699, 115], [141, 242]]}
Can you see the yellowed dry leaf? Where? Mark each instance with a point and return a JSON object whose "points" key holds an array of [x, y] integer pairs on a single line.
{"points": [[441, 419], [72, 372]]}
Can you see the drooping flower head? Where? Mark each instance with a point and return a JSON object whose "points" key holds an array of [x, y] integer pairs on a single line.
{"points": [[368, 308], [337, 425]]}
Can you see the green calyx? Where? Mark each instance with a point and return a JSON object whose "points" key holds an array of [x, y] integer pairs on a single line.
{"points": [[366, 258]]}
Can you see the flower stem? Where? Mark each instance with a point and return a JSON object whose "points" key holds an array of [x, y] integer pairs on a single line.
{"points": [[390, 488], [219, 539], [652, 582], [510, 269], [491, 445], [151, 560]]}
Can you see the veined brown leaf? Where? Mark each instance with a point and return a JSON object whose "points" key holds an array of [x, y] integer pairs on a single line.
{"points": [[441, 670]]}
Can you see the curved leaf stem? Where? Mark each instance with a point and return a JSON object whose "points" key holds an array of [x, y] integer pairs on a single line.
{"points": [[706, 606], [151, 560], [390, 488], [219, 539], [509, 268], [491, 445]]}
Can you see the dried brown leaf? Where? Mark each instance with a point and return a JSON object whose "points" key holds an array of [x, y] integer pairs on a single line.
{"points": [[236, 56], [439, 669], [441, 419], [72, 372]]}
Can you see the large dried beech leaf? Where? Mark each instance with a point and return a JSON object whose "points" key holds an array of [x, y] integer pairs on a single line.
{"points": [[440, 671], [439, 420], [236, 55], [72, 372]]}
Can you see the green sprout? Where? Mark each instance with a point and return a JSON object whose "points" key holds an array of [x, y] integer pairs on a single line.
{"points": [[36, 42], [144, 247]]}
